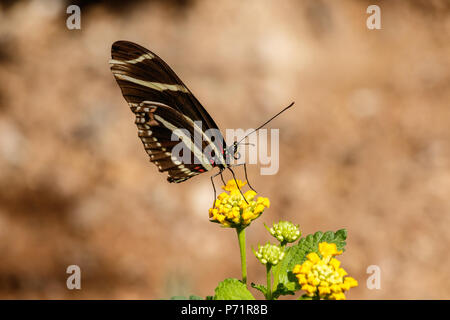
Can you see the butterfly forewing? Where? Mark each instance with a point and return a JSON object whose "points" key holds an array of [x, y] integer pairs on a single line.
{"points": [[162, 104]]}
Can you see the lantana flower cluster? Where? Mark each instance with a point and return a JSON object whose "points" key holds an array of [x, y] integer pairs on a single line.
{"points": [[323, 278], [232, 211]]}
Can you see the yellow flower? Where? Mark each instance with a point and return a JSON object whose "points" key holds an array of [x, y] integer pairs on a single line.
{"points": [[328, 249], [309, 289], [337, 296], [231, 185], [335, 263], [324, 290], [323, 277], [302, 279], [250, 195], [232, 210], [313, 257]]}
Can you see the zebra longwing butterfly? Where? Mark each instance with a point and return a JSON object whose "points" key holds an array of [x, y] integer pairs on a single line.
{"points": [[163, 103]]}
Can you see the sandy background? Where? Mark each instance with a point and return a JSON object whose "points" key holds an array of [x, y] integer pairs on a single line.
{"points": [[367, 146]]}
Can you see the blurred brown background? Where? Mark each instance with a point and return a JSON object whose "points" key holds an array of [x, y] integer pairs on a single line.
{"points": [[366, 146]]}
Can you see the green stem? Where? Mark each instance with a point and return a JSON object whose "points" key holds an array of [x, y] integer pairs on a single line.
{"points": [[276, 274], [269, 281], [277, 269], [241, 238]]}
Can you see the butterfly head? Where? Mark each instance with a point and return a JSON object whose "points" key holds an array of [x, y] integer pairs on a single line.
{"points": [[232, 151], [236, 155]]}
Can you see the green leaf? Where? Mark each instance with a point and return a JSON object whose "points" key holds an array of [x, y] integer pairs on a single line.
{"points": [[285, 289], [296, 254], [232, 289], [260, 287]]}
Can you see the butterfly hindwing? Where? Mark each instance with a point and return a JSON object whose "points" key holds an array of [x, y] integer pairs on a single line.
{"points": [[159, 130]]}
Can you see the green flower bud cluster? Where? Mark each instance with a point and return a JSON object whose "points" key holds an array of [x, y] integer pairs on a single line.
{"points": [[269, 254], [285, 231]]}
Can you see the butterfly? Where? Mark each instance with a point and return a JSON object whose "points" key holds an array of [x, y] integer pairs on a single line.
{"points": [[162, 103]]}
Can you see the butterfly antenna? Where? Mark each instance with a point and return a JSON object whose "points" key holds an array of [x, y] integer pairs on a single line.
{"points": [[292, 103]]}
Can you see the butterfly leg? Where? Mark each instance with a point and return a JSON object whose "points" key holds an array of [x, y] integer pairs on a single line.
{"points": [[245, 171], [223, 180], [214, 187], [246, 178], [234, 177]]}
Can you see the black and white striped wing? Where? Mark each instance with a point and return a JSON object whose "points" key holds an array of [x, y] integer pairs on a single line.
{"points": [[156, 124], [162, 103]]}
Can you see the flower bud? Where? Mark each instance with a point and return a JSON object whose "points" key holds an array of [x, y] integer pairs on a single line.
{"points": [[285, 231], [269, 253]]}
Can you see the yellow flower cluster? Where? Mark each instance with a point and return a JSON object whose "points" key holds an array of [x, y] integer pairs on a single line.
{"points": [[231, 210], [322, 277]]}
